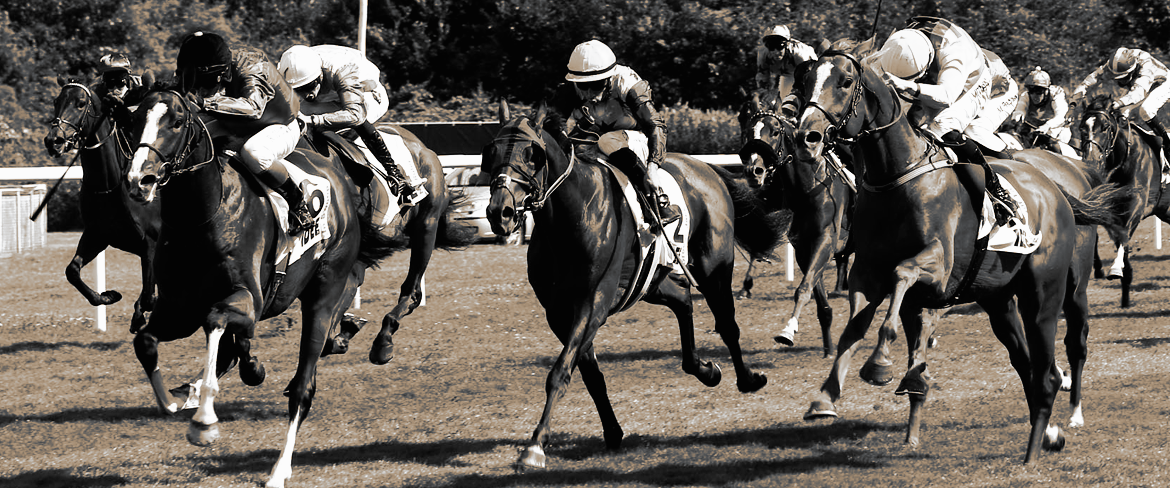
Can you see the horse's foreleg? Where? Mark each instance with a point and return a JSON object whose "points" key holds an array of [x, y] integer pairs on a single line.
{"points": [[748, 282], [350, 324], [812, 263], [678, 299], [422, 245], [88, 247], [579, 334], [595, 384], [234, 315], [862, 310], [146, 349], [145, 302], [1117, 270], [914, 384]]}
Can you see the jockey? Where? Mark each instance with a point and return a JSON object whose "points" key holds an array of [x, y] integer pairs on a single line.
{"points": [[939, 67], [615, 103], [776, 60], [344, 75], [1141, 78], [1005, 93], [119, 86], [243, 90], [1042, 108]]}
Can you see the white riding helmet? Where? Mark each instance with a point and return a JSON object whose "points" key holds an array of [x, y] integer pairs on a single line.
{"points": [[906, 54], [591, 61], [299, 65], [780, 31]]}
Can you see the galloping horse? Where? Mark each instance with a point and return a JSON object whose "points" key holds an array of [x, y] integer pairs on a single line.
{"points": [[108, 214], [585, 247], [221, 259], [1128, 156], [820, 200], [425, 224], [921, 247]]}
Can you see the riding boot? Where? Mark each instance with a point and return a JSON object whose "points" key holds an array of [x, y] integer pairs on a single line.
{"points": [[1163, 135], [667, 213], [1002, 202], [376, 145], [298, 209]]}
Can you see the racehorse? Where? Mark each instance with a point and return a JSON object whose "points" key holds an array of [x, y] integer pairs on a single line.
{"points": [[425, 224], [218, 264], [921, 247], [109, 216], [1128, 156], [585, 242], [820, 199]]}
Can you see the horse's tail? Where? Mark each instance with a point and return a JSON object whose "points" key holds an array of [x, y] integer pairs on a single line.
{"points": [[1102, 205], [377, 245], [454, 236], [757, 230]]}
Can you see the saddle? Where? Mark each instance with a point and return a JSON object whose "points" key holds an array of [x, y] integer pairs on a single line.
{"points": [[371, 178]]}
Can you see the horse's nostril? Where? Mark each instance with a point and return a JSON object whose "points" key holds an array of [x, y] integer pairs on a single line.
{"points": [[507, 213], [758, 171], [813, 137]]}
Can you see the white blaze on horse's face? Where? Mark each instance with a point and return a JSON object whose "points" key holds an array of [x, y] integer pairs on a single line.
{"points": [[758, 128], [150, 132], [822, 76]]}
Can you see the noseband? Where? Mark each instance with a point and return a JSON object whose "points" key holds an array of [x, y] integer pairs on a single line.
{"points": [[837, 125], [74, 139], [1115, 127], [536, 185]]}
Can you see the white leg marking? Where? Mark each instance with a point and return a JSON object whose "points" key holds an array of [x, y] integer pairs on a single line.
{"points": [[166, 403], [282, 471], [1078, 418], [206, 413]]}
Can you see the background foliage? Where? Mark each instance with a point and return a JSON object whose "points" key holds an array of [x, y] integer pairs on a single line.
{"points": [[450, 59]]}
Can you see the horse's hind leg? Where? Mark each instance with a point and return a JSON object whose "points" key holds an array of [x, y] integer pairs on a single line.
{"points": [[349, 324], [913, 384], [1076, 315], [717, 290], [678, 299], [423, 234]]}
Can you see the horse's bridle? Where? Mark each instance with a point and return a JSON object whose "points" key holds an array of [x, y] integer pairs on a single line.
{"points": [[837, 126], [1116, 129], [78, 132], [536, 185], [170, 168]]}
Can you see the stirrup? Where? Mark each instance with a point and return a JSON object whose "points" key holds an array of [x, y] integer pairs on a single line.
{"points": [[299, 218]]}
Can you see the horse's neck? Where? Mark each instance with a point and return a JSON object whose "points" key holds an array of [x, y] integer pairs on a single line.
{"points": [[586, 195], [194, 198], [102, 165]]}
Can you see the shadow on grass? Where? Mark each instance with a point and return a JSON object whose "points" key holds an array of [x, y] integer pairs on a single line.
{"points": [[715, 354], [1143, 343], [226, 411], [447, 453], [59, 478], [39, 346]]}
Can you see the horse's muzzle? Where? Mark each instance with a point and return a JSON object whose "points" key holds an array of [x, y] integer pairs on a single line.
{"points": [[809, 144]]}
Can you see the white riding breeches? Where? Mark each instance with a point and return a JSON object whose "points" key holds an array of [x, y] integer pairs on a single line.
{"points": [[964, 111], [1154, 102], [271, 144], [618, 139]]}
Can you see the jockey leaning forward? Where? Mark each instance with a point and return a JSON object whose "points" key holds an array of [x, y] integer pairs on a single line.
{"points": [[245, 93], [1042, 110], [343, 76], [614, 104], [119, 86], [776, 60], [1141, 80], [1005, 93], [938, 67]]}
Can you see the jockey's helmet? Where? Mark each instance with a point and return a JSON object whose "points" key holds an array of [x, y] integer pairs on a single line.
{"points": [[906, 54], [203, 61], [777, 37], [1038, 78], [591, 61], [300, 65], [114, 62], [1123, 64]]}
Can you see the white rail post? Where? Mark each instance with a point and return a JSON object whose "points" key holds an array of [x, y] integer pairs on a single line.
{"points": [[789, 258], [1157, 233]]}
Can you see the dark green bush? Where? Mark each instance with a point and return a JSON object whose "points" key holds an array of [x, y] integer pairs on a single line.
{"points": [[64, 209], [695, 131]]}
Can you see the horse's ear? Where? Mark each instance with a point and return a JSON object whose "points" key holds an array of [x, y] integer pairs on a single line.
{"points": [[742, 92], [62, 81], [148, 79], [505, 114], [822, 46], [541, 113]]}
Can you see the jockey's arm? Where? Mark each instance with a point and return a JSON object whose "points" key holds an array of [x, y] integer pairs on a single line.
{"points": [[1059, 109], [1138, 92], [650, 122], [252, 99], [1083, 87], [950, 85], [353, 108]]}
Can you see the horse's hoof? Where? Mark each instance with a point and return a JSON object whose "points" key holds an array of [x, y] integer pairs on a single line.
{"points": [[752, 383], [1053, 439], [202, 435], [876, 374], [710, 374], [531, 457], [335, 345], [1115, 275], [786, 338], [820, 410], [613, 441], [912, 442], [912, 385], [252, 372], [136, 323], [110, 297], [1065, 381], [382, 352]]}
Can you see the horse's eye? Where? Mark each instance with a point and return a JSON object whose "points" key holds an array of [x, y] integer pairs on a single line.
{"points": [[177, 124], [846, 82]]}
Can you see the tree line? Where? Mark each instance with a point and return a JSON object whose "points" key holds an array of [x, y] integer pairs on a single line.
{"points": [[457, 55]]}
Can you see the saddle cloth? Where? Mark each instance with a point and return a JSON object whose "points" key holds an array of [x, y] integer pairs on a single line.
{"points": [[1018, 236], [652, 249], [317, 195]]}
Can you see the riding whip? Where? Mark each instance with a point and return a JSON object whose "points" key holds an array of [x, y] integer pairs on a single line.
{"points": [[53, 190]]}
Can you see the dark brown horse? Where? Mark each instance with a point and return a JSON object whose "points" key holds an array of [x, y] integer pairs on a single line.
{"points": [[217, 259], [110, 217], [820, 199], [1127, 154], [921, 248], [585, 246]]}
